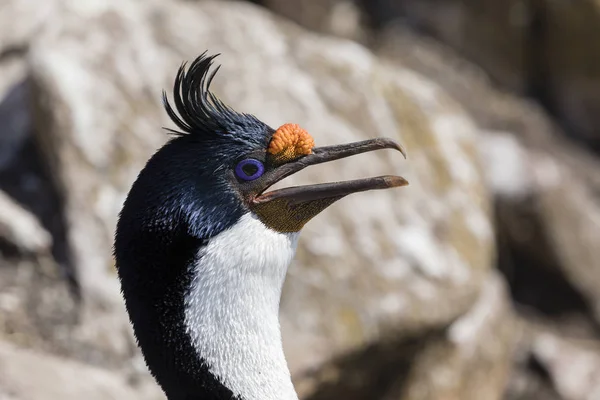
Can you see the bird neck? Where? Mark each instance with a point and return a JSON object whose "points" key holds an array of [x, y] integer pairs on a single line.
{"points": [[232, 307], [205, 310]]}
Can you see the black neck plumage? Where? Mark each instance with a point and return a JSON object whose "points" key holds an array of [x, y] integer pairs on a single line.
{"points": [[156, 271], [157, 241]]}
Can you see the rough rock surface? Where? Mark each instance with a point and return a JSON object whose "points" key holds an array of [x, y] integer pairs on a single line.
{"points": [[31, 15], [546, 194], [571, 31], [543, 48], [494, 34], [338, 17], [28, 375], [573, 365], [16, 121], [472, 360], [22, 229], [546, 188], [468, 359], [570, 208], [549, 204]]}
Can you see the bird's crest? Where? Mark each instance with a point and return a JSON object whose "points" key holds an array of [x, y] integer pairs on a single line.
{"points": [[199, 112]]}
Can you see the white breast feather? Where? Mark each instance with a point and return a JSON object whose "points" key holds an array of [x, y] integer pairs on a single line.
{"points": [[233, 305]]}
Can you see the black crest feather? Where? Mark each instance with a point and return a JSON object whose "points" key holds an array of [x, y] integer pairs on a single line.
{"points": [[200, 112]]}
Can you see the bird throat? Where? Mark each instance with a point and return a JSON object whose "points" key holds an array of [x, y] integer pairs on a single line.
{"points": [[232, 307]]}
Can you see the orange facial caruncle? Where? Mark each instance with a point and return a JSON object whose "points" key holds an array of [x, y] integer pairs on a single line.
{"points": [[288, 143]]}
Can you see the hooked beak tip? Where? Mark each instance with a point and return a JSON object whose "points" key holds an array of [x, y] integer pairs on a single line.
{"points": [[401, 150]]}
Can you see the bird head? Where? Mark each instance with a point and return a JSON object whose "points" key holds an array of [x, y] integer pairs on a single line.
{"points": [[201, 239], [227, 161]]}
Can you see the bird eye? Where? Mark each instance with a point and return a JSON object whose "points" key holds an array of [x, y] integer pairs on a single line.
{"points": [[249, 169]]}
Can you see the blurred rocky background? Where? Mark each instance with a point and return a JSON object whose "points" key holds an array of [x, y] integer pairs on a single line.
{"points": [[479, 281]]}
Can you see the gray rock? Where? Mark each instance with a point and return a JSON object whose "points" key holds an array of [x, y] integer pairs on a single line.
{"points": [[546, 48], [506, 165], [546, 187], [15, 119], [472, 359], [573, 365], [468, 359], [27, 375], [21, 228], [556, 187], [338, 17], [20, 20], [569, 207]]}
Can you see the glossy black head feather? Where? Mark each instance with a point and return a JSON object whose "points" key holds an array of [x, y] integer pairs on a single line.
{"points": [[200, 113], [188, 182]]}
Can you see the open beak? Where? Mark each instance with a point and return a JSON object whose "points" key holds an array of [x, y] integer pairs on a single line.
{"points": [[288, 209]]}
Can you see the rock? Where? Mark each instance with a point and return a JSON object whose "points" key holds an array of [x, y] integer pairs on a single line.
{"points": [[338, 17], [529, 379], [492, 34], [550, 208], [569, 206], [561, 365], [492, 108], [22, 229], [27, 375], [37, 310], [470, 358], [507, 167], [13, 71], [92, 173], [573, 366], [527, 385], [15, 121], [473, 358], [571, 31], [20, 20], [545, 187], [542, 48]]}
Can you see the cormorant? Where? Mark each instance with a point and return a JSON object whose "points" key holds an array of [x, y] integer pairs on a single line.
{"points": [[202, 248]]}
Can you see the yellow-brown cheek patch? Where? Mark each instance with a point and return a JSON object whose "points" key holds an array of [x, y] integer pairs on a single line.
{"points": [[288, 143], [279, 215]]}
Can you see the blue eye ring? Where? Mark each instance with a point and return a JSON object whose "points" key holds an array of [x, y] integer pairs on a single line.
{"points": [[249, 169]]}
